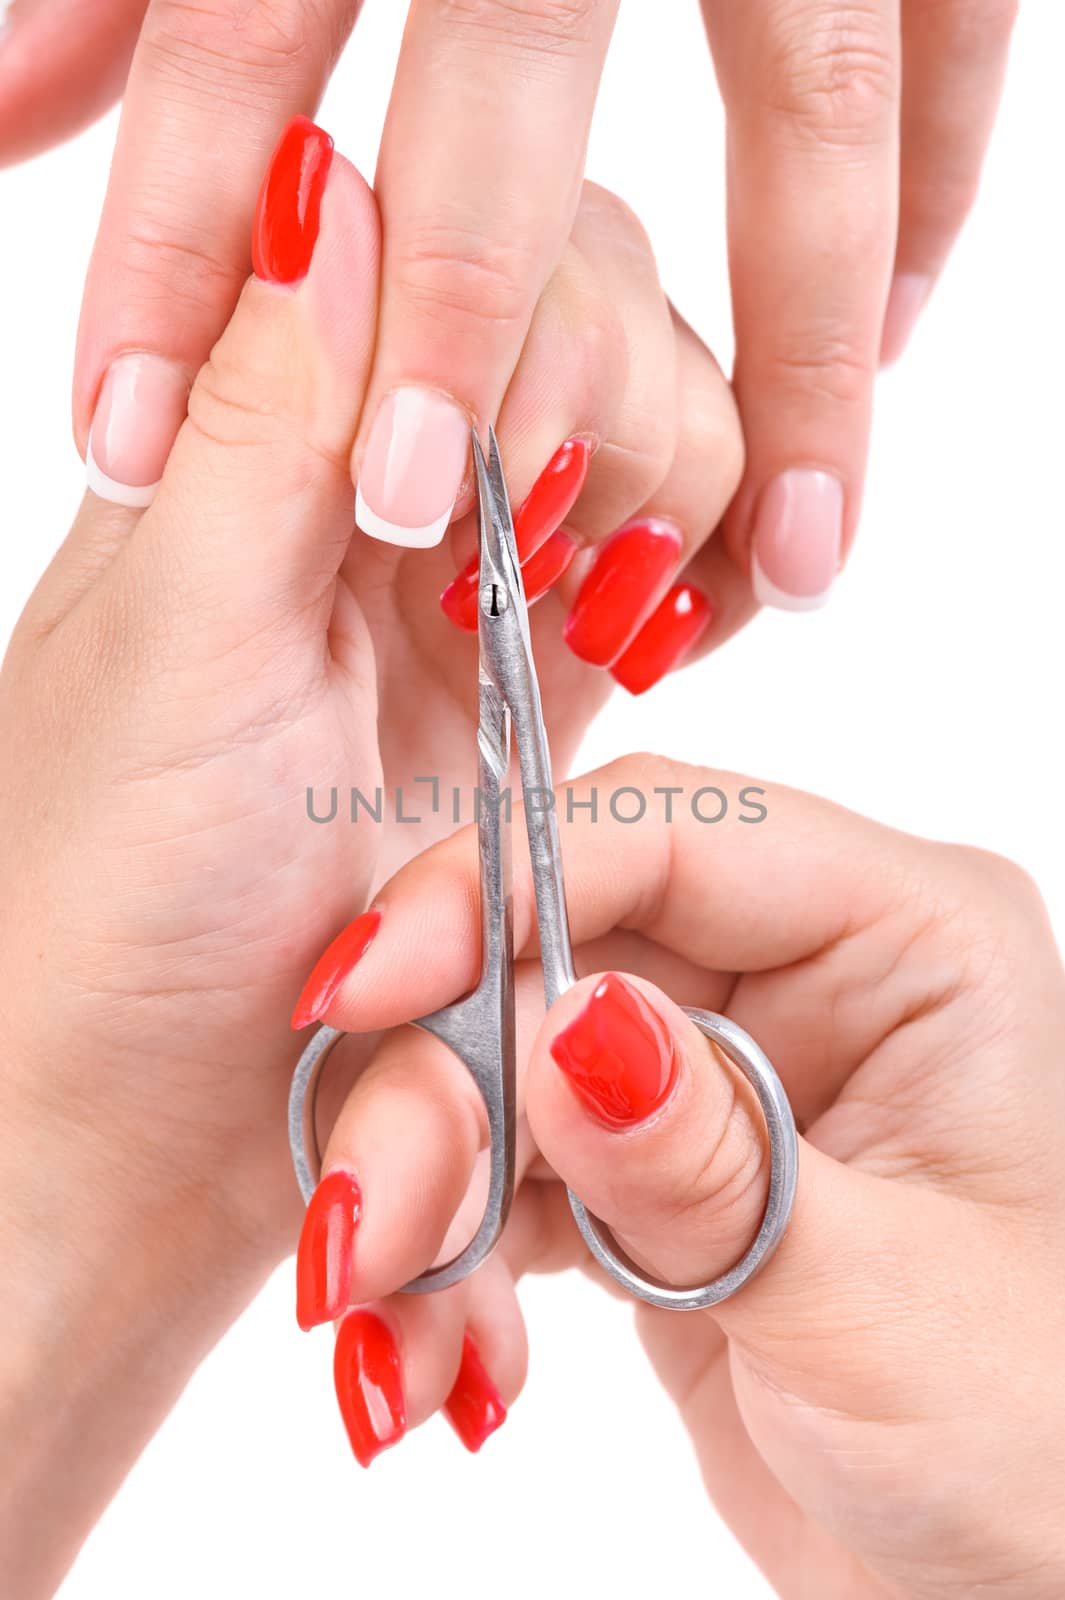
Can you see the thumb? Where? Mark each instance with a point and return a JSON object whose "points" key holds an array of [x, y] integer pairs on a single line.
{"points": [[664, 1142], [256, 502]]}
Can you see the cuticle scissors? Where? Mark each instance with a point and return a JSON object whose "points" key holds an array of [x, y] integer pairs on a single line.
{"points": [[479, 1028]]}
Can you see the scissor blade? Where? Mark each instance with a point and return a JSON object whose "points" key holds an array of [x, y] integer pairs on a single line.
{"points": [[499, 552]]}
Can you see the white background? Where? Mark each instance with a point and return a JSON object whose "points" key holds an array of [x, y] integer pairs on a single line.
{"points": [[927, 694]]}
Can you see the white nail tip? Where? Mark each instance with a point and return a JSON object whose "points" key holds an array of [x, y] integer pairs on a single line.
{"points": [[392, 533], [767, 593], [120, 494]]}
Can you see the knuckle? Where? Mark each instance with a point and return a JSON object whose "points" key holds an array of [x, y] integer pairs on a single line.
{"points": [[235, 402], [643, 449], [444, 267], [176, 271], [833, 75], [822, 363], [1005, 879], [730, 1180], [208, 42], [548, 26]]}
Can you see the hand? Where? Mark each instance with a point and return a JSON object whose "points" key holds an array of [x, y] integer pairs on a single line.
{"points": [[178, 682], [879, 1411], [854, 150]]}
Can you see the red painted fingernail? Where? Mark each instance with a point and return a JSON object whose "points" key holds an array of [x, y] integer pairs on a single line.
{"points": [[667, 635], [552, 497], [544, 509], [345, 952], [618, 1054], [630, 575], [543, 570], [474, 1408], [369, 1385], [285, 230], [324, 1258]]}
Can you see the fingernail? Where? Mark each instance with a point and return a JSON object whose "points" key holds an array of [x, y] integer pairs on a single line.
{"points": [[326, 1251], [474, 1407], [544, 509], [618, 1054], [413, 469], [287, 214], [627, 581], [142, 404], [667, 635], [906, 300], [342, 956], [542, 571], [6, 7], [798, 534], [369, 1385]]}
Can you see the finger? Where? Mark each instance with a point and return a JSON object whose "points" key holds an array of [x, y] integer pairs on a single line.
{"points": [[272, 414], [209, 91], [61, 66], [406, 1161], [766, 895], [711, 596], [598, 365], [954, 64], [478, 180], [811, 95], [397, 1362], [841, 1345]]}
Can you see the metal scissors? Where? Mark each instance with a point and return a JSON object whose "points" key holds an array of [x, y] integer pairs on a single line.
{"points": [[479, 1029]]}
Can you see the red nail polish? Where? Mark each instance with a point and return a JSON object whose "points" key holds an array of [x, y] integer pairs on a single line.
{"points": [[622, 589], [544, 509], [285, 229], [324, 1258], [543, 570], [667, 635], [369, 1385], [345, 952], [474, 1408], [618, 1054], [552, 497]]}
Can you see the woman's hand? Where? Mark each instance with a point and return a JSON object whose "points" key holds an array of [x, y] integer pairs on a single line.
{"points": [[855, 139], [880, 1411], [180, 680]]}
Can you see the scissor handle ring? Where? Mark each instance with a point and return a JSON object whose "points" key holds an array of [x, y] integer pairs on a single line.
{"points": [[307, 1157], [756, 1067]]}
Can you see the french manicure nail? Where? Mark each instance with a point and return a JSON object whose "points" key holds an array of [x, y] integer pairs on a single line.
{"points": [[907, 298], [369, 1385], [288, 212], [142, 404], [630, 575], [474, 1407], [618, 1054], [412, 469], [342, 956], [326, 1250], [798, 534], [665, 638], [544, 509]]}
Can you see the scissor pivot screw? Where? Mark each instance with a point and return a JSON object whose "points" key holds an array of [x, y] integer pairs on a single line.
{"points": [[494, 600]]}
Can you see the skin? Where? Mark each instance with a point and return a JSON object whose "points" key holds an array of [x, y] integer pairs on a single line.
{"points": [[879, 1412], [177, 681], [856, 134]]}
